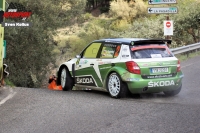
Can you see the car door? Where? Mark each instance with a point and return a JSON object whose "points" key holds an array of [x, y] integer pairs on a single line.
{"points": [[107, 58], [86, 69]]}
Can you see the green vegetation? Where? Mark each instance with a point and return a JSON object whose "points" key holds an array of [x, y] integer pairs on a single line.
{"points": [[9, 83], [29, 49], [63, 28], [188, 55]]}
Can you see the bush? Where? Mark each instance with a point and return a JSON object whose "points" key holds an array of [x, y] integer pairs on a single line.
{"points": [[119, 25], [144, 28], [122, 9]]}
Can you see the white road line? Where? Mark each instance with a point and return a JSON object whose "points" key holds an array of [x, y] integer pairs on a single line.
{"points": [[187, 65], [190, 64], [12, 93]]}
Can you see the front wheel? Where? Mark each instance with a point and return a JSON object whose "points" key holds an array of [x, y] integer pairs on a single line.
{"points": [[66, 80], [116, 87], [173, 93]]}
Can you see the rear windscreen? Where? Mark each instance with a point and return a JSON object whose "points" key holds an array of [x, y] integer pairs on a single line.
{"points": [[150, 52]]}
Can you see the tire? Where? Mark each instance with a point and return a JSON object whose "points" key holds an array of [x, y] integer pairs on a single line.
{"points": [[66, 80], [173, 93], [115, 86]]}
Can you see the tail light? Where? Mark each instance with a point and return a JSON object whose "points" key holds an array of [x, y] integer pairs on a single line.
{"points": [[179, 66], [133, 67]]}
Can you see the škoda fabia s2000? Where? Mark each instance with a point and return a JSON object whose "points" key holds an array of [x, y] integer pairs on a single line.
{"points": [[124, 65]]}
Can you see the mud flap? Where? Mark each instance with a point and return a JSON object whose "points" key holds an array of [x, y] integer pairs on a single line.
{"points": [[73, 72]]}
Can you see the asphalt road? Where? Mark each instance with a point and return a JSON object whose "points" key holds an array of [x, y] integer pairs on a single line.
{"points": [[26, 110]]}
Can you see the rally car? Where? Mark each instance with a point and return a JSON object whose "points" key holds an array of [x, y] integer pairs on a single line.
{"points": [[124, 65]]}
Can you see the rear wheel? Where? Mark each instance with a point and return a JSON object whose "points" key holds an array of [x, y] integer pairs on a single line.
{"points": [[116, 87], [66, 80], [173, 93]]}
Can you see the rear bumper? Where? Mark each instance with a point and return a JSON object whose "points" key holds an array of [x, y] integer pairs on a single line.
{"points": [[138, 85]]}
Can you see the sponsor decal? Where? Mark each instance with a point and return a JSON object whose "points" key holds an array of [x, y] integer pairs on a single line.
{"points": [[104, 62], [161, 83], [125, 51], [110, 45], [105, 67], [81, 62], [85, 80], [133, 79], [125, 56], [156, 56], [145, 64], [158, 76]]}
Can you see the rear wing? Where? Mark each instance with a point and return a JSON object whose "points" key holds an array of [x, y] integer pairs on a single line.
{"points": [[151, 41]]}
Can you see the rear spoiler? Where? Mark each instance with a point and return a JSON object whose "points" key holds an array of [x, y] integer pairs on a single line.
{"points": [[151, 41]]}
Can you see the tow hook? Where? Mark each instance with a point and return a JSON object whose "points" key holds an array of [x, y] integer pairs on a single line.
{"points": [[145, 88]]}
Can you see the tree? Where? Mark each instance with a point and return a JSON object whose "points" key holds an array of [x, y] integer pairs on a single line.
{"points": [[29, 49], [187, 23]]}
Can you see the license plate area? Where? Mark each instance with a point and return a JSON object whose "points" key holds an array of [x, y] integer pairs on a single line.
{"points": [[159, 70]]}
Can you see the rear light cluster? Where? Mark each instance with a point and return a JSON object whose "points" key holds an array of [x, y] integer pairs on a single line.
{"points": [[133, 67], [179, 66]]}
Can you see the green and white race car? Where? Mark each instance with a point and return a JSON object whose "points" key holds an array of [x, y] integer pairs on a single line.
{"points": [[124, 65]]}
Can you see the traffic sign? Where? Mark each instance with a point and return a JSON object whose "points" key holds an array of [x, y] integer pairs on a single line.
{"points": [[168, 27], [168, 24], [162, 10], [154, 2]]}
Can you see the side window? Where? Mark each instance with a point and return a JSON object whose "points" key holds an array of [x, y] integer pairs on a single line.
{"points": [[92, 50], [110, 51]]}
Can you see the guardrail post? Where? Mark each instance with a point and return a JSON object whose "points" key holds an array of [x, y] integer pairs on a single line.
{"points": [[187, 54]]}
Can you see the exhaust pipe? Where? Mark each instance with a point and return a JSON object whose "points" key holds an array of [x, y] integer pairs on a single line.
{"points": [[145, 88]]}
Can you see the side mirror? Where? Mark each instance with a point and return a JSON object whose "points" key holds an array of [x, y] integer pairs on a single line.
{"points": [[78, 56]]}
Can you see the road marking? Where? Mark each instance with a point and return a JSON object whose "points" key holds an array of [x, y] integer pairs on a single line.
{"points": [[190, 64], [11, 95], [187, 65]]}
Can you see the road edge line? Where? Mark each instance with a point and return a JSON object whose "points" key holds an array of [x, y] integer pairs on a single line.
{"points": [[11, 95]]}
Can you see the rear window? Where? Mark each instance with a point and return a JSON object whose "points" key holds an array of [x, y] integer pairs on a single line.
{"points": [[157, 51]]}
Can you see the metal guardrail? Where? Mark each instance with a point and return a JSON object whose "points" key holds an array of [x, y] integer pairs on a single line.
{"points": [[184, 49]]}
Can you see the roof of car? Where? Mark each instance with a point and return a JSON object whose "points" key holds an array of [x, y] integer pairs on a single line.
{"points": [[129, 40]]}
